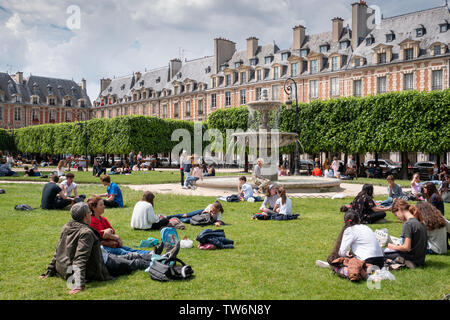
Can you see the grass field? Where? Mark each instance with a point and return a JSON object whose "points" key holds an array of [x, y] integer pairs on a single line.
{"points": [[271, 259], [137, 177]]}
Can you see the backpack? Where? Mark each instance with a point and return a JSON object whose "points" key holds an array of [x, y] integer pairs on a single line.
{"points": [[169, 236], [163, 269], [233, 198], [202, 219]]}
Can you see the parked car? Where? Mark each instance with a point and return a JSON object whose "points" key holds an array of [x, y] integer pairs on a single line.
{"points": [[424, 168], [164, 162], [387, 166], [305, 166]]}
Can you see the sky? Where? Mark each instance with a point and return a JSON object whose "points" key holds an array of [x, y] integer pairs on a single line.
{"points": [[90, 39]]}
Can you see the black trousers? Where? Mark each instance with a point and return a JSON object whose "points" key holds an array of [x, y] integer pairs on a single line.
{"points": [[125, 264], [182, 177], [375, 216], [110, 204], [61, 203]]}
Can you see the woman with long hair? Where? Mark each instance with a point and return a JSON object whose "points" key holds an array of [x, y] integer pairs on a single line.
{"points": [[110, 241], [60, 168], [416, 186], [437, 226], [270, 199], [283, 205], [414, 235], [144, 217], [445, 192], [433, 197], [366, 208]]}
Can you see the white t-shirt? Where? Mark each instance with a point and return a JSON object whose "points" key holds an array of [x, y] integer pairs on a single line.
{"points": [[286, 208], [361, 239], [247, 190], [70, 188], [143, 216], [219, 215]]}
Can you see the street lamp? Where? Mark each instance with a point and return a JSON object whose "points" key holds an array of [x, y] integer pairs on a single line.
{"points": [[288, 86], [81, 125]]}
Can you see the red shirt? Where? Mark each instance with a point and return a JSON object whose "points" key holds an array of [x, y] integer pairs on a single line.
{"points": [[317, 172], [100, 225]]}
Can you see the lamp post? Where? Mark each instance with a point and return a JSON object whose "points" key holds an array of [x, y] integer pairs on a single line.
{"points": [[81, 125], [288, 86]]}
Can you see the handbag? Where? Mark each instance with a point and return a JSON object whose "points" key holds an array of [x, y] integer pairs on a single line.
{"points": [[163, 269], [110, 243]]}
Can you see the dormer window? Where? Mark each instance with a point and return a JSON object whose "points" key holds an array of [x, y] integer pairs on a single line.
{"points": [[343, 45], [268, 59], [304, 52], [390, 37], [109, 89], [420, 31], [158, 80], [443, 27], [284, 56], [141, 83], [437, 49], [237, 64], [122, 87], [179, 75], [382, 57], [357, 62], [323, 48], [253, 61], [208, 69], [223, 67], [370, 40]]}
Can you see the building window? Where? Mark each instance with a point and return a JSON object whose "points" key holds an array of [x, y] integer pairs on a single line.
{"points": [[357, 86], [343, 45], [213, 100], [243, 77], [276, 74], [381, 84], [304, 53], [420, 32], [214, 82], [294, 69], [35, 100], [258, 93], [200, 106], [436, 80], [175, 110], [334, 84], [313, 89], [443, 27], [267, 60], [382, 57], [83, 103], [227, 98], [408, 83], [284, 56], [188, 108], [323, 48], [357, 62], [437, 50], [1, 113], [35, 114], [52, 115], [17, 114], [258, 75], [228, 79], [243, 98], [253, 62], [314, 65], [69, 115], [390, 37], [17, 98], [51, 101], [409, 54], [237, 64], [83, 116], [276, 92], [68, 103], [110, 114], [165, 113], [334, 63], [117, 112], [370, 40], [126, 110]]}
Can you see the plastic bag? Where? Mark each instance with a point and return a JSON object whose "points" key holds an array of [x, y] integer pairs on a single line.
{"points": [[338, 196], [186, 243], [380, 275]]}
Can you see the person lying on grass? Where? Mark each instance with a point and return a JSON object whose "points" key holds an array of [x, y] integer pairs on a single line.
{"points": [[109, 239], [355, 240], [214, 209], [113, 193], [414, 235], [80, 258]]}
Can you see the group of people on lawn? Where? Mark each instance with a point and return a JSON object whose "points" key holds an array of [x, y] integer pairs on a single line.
{"points": [[90, 247]]}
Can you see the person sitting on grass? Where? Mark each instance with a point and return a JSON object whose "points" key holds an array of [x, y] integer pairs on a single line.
{"points": [[445, 192], [414, 236], [53, 197], [214, 209], [416, 187], [35, 169], [317, 172], [437, 227], [5, 171], [355, 240], [113, 193], [126, 168], [210, 171], [115, 169], [367, 209], [28, 172], [144, 217], [109, 239], [270, 199], [60, 168], [433, 197], [394, 192], [80, 256], [245, 190], [68, 186], [98, 169]]}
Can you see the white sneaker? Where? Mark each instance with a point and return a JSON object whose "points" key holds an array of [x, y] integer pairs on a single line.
{"points": [[183, 187], [193, 187], [323, 264]]}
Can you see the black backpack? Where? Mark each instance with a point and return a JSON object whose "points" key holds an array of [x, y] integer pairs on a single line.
{"points": [[203, 219], [163, 269]]}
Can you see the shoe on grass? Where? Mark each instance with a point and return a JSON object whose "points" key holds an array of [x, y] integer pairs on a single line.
{"points": [[323, 264]]}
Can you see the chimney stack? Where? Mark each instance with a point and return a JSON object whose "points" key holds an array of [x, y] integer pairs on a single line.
{"points": [[252, 47], [337, 27], [104, 83], [223, 51], [361, 14], [298, 37], [174, 67], [19, 77], [83, 84]]}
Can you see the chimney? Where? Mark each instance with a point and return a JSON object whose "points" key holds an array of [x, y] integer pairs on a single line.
{"points": [[361, 14], [137, 76], [83, 84], [104, 83], [223, 51], [174, 67], [19, 77], [252, 47], [299, 37], [338, 25]]}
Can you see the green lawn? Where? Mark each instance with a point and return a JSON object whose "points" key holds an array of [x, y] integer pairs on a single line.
{"points": [[137, 177], [271, 259], [379, 182]]}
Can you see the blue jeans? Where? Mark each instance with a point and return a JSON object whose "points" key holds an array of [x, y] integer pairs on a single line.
{"points": [[124, 250], [387, 203], [189, 179], [186, 219]]}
